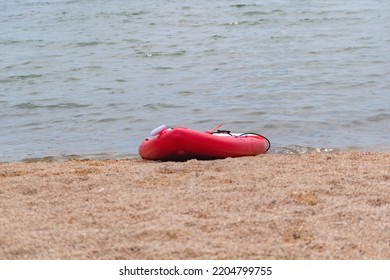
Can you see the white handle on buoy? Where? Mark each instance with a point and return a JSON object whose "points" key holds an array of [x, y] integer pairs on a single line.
{"points": [[158, 130]]}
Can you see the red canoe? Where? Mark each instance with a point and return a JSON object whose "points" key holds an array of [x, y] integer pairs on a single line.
{"points": [[178, 144]]}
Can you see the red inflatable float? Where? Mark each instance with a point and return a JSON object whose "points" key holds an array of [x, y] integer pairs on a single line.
{"points": [[179, 144]]}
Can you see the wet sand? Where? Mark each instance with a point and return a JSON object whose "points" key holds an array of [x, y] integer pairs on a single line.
{"points": [[312, 206]]}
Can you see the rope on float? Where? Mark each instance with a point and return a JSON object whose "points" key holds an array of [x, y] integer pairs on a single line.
{"points": [[269, 142], [246, 133]]}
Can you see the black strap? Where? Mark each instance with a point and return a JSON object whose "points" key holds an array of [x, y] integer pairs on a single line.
{"points": [[243, 134], [223, 132], [269, 143]]}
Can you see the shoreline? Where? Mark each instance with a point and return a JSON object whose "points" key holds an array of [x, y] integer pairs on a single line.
{"points": [[273, 206], [275, 150]]}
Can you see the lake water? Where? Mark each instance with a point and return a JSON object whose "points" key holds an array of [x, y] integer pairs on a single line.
{"points": [[93, 78]]}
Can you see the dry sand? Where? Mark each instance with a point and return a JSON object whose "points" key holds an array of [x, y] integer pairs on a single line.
{"points": [[313, 206]]}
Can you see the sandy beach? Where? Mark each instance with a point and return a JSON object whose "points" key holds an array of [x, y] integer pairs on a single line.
{"points": [[312, 206]]}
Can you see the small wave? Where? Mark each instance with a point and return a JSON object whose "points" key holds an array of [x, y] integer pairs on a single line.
{"points": [[255, 13], [67, 106], [158, 53], [216, 37], [10, 42], [378, 118], [107, 120], [234, 23], [10, 79], [243, 5], [257, 113], [260, 21], [30, 106], [150, 54], [125, 14], [157, 106], [13, 42], [162, 68], [186, 93], [32, 124], [361, 122], [243, 122], [27, 105], [92, 43], [299, 150]]}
